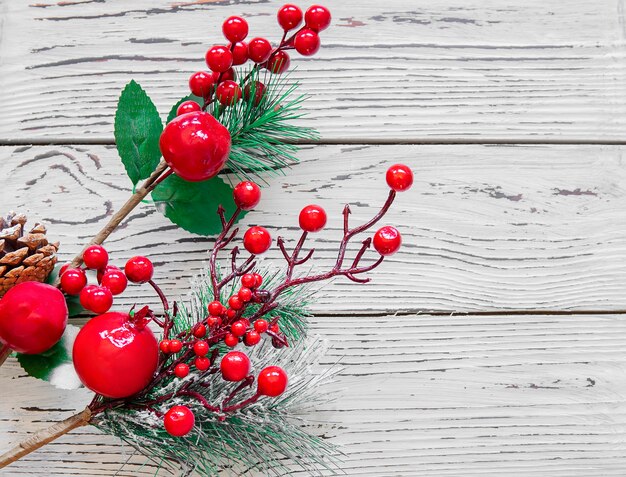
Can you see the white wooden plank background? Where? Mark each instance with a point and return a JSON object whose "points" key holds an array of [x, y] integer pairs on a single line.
{"points": [[527, 240]]}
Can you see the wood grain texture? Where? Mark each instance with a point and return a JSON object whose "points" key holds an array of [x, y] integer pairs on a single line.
{"points": [[395, 70], [418, 395], [485, 228]]}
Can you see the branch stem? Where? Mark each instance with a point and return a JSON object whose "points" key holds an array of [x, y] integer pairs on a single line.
{"points": [[5, 351]]}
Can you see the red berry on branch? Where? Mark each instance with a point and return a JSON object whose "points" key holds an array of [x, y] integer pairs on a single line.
{"points": [[317, 18], [272, 381], [114, 356], [187, 107], [245, 294], [100, 273], [235, 366], [164, 346], [230, 314], [179, 421], [312, 218], [73, 281], [238, 328], [231, 340], [261, 325], [95, 257], [214, 321], [275, 328], [199, 331], [387, 240], [240, 53], [115, 280], [235, 29], [259, 50], [258, 280], [202, 363], [219, 58], [235, 302], [139, 269], [228, 93], [200, 348], [279, 63], [247, 195], [201, 84], [195, 146], [289, 16], [252, 338], [307, 42], [181, 370], [96, 299], [64, 268], [257, 88], [248, 280], [175, 346], [399, 177], [215, 308], [228, 75], [33, 317], [257, 240]]}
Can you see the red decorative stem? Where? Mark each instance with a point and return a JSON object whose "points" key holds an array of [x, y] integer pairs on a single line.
{"points": [[161, 295], [236, 407], [5, 351], [221, 241]]}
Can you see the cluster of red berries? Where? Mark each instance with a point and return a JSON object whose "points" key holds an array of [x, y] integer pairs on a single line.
{"points": [[111, 280]]}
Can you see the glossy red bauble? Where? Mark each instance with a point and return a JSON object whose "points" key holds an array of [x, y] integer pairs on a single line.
{"points": [[114, 356], [387, 240], [33, 317], [179, 421], [235, 29], [235, 366], [257, 240], [139, 269], [73, 280], [95, 298], [317, 17], [115, 280], [95, 257], [259, 50], [399, 177], [195, 146], [247, 195], [312, 218], [201, 84], [279, 63], [307, 42], [187, 107], [272, 381], [219, 58], [289, 16], [257, 88], [240, 53], [228, 93]]}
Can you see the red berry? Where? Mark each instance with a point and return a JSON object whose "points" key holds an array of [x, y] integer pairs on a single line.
{"points": [[317, 18], [201, 84], [115, 280], [228, 93], [258, 280], [214, 321], [100, 273], [261, 325], [230, 314], [187, 107], [164, 346], [228, 75], [95, 298], [179, 421], [181, 370], [235, 302], [259, 91], [195, 146], [387, 240], [399, 177], [219, 58], [272, 381], [33, 317], [235, 366], [235, 29], [257, 240], [259, 50], [73, 281], [238, 328], [279, 63], [275, 328], [114, 356], [175, 346], [312, 218], [215, 308], [251, 338], [139, 269], [248, 280], [202, 363], [200, 348], [199, 331], [95, 257], [307, 42], [240, 53], [247, 195], [231, 340], [245, 295], [289, 16], [64, 268]]}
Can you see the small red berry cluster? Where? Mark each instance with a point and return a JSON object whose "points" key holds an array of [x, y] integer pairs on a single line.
{"points": [[221, 58], [111, 279]]}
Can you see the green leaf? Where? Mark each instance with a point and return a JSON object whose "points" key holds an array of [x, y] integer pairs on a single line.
{"points": [[54, 365], [138, 127], [191, 97], [193, 205]]}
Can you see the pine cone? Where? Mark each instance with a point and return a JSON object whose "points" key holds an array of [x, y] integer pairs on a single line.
{"points": [[24, 256]]}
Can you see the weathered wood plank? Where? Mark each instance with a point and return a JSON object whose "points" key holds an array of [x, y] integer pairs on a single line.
{"points": [[454, 70], [485, 227], [419, 395]]}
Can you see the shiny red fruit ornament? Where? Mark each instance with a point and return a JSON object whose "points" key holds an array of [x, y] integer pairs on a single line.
{"points": [[139, 269], [228, 75], [399, 177], [219, 58], [73, 280], [96, 298], [307, 42], [257, 88], [235, 29], [247, 195], [201, 348], [115, 280], [257, 240], [248, 280], [179, 421], [215, 308], [252, 338], [259, 50], [202, 363], [228, 93], [289, 16], [387, 240], [33, 317], [115, 355], [187, 107], [195, 146], [317, 17], [279, 63], [231, 340], [261, 325], [201, 84], [312, 218], [240, 53], [181, 370], [235, 366], [95, 257], [272, 381]]}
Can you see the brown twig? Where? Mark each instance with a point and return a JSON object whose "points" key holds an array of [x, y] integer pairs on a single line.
{"points": [[5, 351]]}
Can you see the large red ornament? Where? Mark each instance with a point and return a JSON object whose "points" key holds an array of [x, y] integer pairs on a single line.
{"points": [[33, 317], [195, 146], [115, 356]]}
